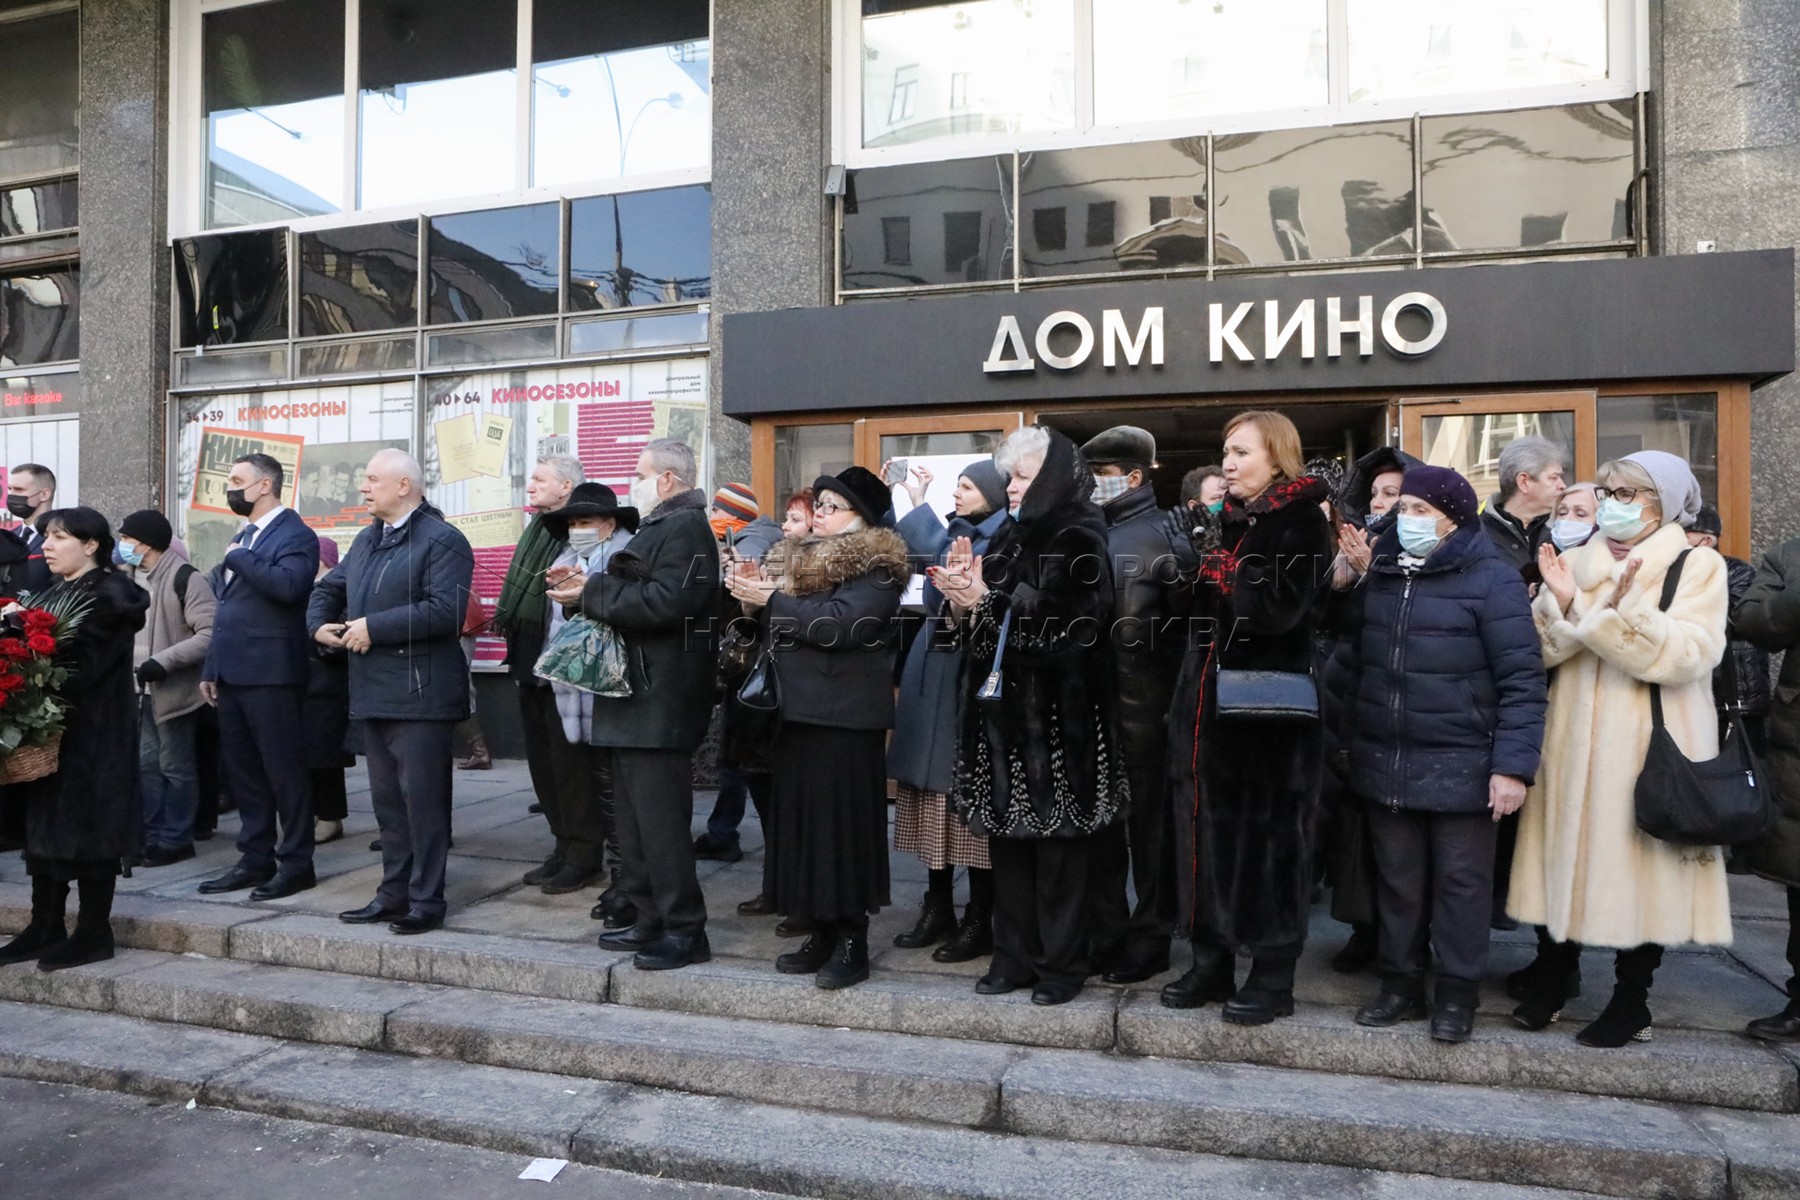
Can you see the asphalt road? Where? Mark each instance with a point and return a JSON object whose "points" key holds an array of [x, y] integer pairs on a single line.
{"points": [[63, 1143]]}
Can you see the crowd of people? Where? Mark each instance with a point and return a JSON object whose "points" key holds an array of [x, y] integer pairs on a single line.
{"points": [[1125, 725]]}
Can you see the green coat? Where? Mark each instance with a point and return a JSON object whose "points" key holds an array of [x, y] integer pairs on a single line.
{"points": [[1769, 617]]}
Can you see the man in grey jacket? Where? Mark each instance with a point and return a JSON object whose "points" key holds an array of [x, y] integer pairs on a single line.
{"points": [[179, 631]]}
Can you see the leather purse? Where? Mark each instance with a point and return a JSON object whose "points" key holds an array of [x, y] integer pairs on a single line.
{"points": [[1267, 695], [756, 705], [994, 686]]}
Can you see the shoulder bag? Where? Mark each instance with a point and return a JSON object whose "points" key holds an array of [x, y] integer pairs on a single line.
{"points": [[756, 705], [1720, 802], [994, 685], [1267, 695]]}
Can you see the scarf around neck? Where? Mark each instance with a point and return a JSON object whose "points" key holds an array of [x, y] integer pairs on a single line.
{"points": [[522, 607]]}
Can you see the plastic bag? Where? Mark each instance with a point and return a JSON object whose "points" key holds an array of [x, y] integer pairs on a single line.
{"points": [[587, 655]]}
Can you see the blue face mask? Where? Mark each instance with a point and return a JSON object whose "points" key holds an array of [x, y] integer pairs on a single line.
{"points": [[131, 554], [1569, 533], [1418, 535], [1621, 522]]}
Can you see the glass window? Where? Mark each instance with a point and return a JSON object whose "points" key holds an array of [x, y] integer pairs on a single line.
{"points": [[439, 99], [360, 279], [232, 288], [511, 343], [1139, 206], [1405, 48], [1685, 424], [805, 452], [606, 334], [39, 85], [40, 317], [935, 70], [1472, 442], [273, 83], [640, 248], [360, 357], [1529, 178], [1156, 59], [250, 365], [619, 89], [964, 202], [33, 396], [39, 208], [498, 263], [1302, 194], [54, 443]]}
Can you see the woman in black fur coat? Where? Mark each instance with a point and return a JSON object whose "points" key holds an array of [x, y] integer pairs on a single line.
{"points": [[1247, 788], [1038, 768]]}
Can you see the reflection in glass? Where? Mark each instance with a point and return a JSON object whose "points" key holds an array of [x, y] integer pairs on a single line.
{"points": [[960, 70], [805, 452], [637, 333], [957, 227], [974, 443], [1403, 48], [233, 366], [512, 344], [640, 248], [39, 77], [1685, 424], [1117, 208], [1157, 59], [438, 98], [359, 357], [1472, 442], [274, 101], [231, 288], [39, 208], [494, 264], [1529, 178], [624, 91], [40, 317], [359, 279], [1301, 194]]}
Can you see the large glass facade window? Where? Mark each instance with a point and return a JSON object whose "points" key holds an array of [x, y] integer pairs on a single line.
{"points": [[1156, 59], [231, 288], [494, 264], [930, 223], [1415, 48], [39, 91], [619, 89], [362, 279], [273, 85], [640, 248], [1300, 194], [1114, 208], [40, 317], [439, 99]]}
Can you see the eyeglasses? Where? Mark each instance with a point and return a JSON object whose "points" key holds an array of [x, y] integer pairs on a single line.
{"points": [[1624, 495], [825, 508]]}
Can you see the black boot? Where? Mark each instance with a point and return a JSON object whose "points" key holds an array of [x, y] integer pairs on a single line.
{"points": [[614, 910], [92, 940], [1268, 993], [1357, 953], [975, 936], [937, 917], [849, 961], [1209, 979], [1521, 983], [1543, 1002], [48, 928], [813, 953], [1626, 1017]]}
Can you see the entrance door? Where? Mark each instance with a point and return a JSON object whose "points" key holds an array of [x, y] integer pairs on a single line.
{"points": [[1469, 432]]}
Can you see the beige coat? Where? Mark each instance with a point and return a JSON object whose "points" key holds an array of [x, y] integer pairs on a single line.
{"points": [[1582, 867]]}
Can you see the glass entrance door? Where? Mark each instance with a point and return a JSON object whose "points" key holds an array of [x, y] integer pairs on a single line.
{"points": [[1468, 433]]}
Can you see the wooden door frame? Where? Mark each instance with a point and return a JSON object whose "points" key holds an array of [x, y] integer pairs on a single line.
{"points": [[1583, 402], [870, 430]]}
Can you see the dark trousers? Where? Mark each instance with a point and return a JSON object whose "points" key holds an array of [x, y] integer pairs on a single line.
{"points": [[206, 769], [331, 799], [563, 780], [264, 766], [1141, 846], [654, 811], [1040, 909], [409, 787], [735, 788], [1506, 840], [1793, 947], [1434, 889]]}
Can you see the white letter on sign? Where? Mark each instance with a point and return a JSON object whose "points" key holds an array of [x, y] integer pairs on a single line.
{"points": [[1115, 337], [1220, 331], [1010, 341], [1336, 327], [1083, 348], [1425, 303], [1275, 341]]}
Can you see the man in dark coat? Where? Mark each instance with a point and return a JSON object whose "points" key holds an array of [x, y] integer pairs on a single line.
{"points": [[396, 605], [255, 673], [662, 594], [30, 493], [1132, 944], [1517, 518]]}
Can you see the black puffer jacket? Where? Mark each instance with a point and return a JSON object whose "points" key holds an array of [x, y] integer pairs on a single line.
{"points": [[1769, 617], [1147, 635], [1450, 686], [1741, 680]]}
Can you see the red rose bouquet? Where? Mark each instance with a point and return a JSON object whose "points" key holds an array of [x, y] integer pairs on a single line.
{"points": [[32, 710]]}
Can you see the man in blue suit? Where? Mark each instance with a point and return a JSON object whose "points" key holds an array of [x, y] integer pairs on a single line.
{"points": [[30, 493], [256, 674]]}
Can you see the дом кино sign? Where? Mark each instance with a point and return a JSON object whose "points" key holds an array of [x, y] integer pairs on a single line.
{"points": [[1245, 332]]}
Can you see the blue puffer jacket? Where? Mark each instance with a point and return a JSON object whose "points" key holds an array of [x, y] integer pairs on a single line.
{"points": [[1450, 681]]}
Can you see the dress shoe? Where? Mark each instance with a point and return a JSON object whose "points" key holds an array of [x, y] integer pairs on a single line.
{"points": [[414, 922], [619, 914], [1135, 966], [811, 955], [793, 927], [1784, 1026], [543, 871], [327, 831], [534, 809], [237, 879], [937, 921], [84, 946], [1357, 953], [1053, 991], [286, 884], [372, 913], [635, 937], [997, 985], [570, 878], [672, 951], [205, 833], [1451, 1022], [708, 847], [1390, 1008], [760, 905], [162, 856], [1204, 983]]}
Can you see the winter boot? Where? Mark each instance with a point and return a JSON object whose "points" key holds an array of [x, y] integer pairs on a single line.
{"points": [[849, 961], [1357, 953], [813, 953], [1626, 1017], [1209, 979], [48, 928], [1268, 993], [937, 917], [92, 940], [1556, 969], [1521, 983]]}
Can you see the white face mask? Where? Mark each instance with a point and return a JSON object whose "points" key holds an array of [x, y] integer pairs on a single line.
{"points": [[1569, 533], [583, 541], [1621, 522], [643, 495]]}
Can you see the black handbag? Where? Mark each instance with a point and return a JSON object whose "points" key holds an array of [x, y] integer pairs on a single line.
{"points": [[756, 706], [1267, 695], [1719, 802], [994, 686]]}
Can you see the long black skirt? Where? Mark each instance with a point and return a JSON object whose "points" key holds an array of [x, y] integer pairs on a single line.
{"points": [[831, 852]]}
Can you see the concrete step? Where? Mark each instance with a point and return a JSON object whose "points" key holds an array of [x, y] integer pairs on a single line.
{"points": [[646, 1131], [1471, 1133]]}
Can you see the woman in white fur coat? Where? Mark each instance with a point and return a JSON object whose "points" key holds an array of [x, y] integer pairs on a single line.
{"points": [[1583, 868]]}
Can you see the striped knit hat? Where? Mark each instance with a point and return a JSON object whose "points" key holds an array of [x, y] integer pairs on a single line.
{"points": [[734, 506]]}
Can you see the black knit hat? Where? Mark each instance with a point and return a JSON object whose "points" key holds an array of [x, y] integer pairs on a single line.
{"points": [[149, 528], [862, 488], [989, 481], [1707, 520], [1444, 489]]}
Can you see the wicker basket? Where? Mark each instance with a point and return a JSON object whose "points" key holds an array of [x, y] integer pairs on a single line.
{"points": [[31, 762]]}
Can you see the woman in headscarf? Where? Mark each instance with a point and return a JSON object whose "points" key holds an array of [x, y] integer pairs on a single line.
{"points": [[1583, 868], [1039, 768], [922, 754]]}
